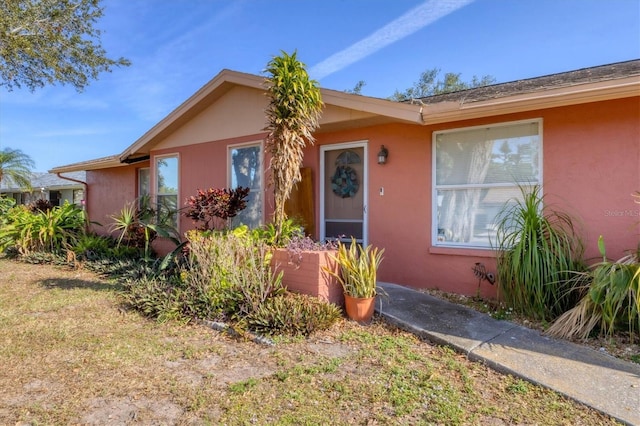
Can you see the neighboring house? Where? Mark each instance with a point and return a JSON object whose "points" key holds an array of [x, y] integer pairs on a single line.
{"points": [[453, 161], [51, 187]]}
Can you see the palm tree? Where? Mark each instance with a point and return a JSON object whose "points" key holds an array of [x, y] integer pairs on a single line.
{"points": [[15, 168], [292, 115]]}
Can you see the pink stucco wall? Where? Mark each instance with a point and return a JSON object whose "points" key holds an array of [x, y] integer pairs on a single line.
{"points": [[108, 190], [591, 156], [591, 167], [203, 166]]}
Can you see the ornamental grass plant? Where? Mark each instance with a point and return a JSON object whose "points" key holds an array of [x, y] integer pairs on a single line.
{"points": [[537, 248]]}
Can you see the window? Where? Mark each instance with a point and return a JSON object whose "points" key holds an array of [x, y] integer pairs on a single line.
{"points": [[55, 197], [475, 172], [78, 197], [167, 190], [144, 187], [245, 170]]}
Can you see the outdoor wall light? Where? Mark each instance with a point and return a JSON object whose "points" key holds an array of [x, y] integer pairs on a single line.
{"points": [[382, 155]]}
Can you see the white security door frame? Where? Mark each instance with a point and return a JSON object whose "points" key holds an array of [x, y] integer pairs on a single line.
{"points": [[324, 186]]}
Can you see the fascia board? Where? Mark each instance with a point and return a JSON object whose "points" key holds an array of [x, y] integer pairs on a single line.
{"points": [[572, 95], [99, 163], [392, 109]]}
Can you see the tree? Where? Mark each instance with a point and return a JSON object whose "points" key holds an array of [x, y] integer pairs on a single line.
{"points": [[15, 168], [294, 109], [51, 41], [357, 89], [429, 85]]}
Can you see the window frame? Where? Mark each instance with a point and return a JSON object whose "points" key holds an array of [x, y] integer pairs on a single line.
{"points": [[156, 189], [141, 192], [260, 172], [435, 187]]}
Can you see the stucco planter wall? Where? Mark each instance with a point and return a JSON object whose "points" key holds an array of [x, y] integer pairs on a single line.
{"points": [[309, 277]]}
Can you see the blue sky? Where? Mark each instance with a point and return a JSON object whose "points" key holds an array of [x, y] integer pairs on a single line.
{"points": [[177, 46]]}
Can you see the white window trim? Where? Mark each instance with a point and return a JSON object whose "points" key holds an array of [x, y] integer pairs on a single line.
{"points": [[154, 184], [434, 187], [259, 143]]}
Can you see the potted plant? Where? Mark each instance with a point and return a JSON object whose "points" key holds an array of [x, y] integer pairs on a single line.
{"points": [[357, 271]]}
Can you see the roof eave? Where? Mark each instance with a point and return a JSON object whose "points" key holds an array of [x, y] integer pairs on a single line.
{"points": [[227, 79], [563, 96], [100, 163], [392, 110]]}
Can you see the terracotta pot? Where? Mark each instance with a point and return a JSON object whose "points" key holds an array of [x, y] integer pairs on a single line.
{"points": [[359, 309]]}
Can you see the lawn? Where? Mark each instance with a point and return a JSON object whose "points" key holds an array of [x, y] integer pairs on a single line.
{"points": [[72, 355]]}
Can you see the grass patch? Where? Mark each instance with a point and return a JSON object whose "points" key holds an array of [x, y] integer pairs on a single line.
{"points": [[78, 357]]}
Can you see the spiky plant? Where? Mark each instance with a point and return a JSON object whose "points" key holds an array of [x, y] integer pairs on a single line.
{"points": [[292, 116], [357, 268], [536, 250]]}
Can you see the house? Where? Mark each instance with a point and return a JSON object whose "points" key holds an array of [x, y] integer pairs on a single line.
{"points": [[452, 161], [51, 187]]}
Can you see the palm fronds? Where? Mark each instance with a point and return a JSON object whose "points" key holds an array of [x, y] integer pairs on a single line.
{"points": [[611, 299]]}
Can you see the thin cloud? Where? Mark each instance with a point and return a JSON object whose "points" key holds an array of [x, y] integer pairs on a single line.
{"points": [[87, 131], [150, 87], [412, 21]]}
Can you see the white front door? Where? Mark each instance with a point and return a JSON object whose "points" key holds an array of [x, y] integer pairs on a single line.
{"points": [[343, 191]]}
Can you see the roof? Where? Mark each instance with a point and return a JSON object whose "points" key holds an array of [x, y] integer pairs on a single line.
{"points": [[593, 84], [49, 181], [553, 81]]}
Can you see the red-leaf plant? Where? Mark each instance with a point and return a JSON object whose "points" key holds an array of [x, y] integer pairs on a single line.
{"points": [[210, 209]]}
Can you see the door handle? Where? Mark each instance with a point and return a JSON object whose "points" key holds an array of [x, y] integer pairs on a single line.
{"points": [[364, 209]]}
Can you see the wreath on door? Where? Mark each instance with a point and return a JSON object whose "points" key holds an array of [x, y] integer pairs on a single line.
{"points": [[344, 182]]}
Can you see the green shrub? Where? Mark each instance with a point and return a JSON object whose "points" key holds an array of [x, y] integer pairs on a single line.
{"points": [[227, 276], [536, 250], [50, 231], [228, 273], [293, 314], [291, 229], [155, 297], [126, 252], [91, 246], [44, 258], [6, 204], [122, 269], [138, 225]]}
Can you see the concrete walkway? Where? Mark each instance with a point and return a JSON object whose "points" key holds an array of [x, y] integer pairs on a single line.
{"points": [[592, 378]]}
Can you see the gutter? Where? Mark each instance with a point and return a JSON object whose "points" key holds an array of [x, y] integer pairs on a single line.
{"points": [[84, 184]]}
